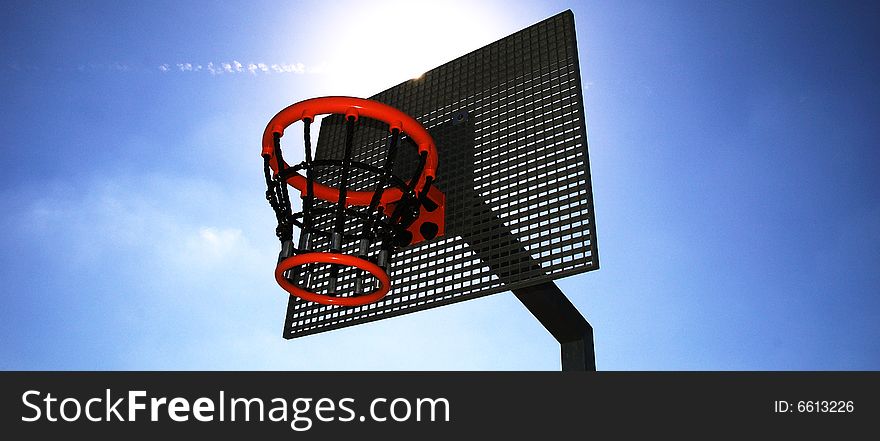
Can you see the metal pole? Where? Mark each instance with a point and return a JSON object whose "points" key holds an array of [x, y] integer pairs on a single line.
{"points": [[573, 332]]}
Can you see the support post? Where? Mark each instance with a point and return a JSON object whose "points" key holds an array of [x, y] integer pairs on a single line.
{"points": [[573, 332]]}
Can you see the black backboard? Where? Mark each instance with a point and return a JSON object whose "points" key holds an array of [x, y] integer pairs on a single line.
{"points": [[508, 121]]}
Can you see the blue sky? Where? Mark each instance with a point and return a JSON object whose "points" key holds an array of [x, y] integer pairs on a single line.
{"points": [[734, 151]]}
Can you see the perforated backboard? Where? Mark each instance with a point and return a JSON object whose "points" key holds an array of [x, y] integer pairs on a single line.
{"points": [[508, 122]]}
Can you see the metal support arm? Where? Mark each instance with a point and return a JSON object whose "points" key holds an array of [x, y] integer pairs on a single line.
{"points": [[573, 332]]}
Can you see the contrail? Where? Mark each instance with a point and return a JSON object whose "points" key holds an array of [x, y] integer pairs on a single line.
{"points": [[233, 67], [237, 67]]}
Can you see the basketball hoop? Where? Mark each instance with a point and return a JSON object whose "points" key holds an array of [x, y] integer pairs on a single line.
{"points": [[368, 225]]}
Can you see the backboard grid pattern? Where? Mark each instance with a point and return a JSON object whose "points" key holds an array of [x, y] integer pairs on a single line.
{"points": [[515, 172]]}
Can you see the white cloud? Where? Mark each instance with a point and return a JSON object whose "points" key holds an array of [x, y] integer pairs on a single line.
{"points": [[182, 227], [210, 246]]}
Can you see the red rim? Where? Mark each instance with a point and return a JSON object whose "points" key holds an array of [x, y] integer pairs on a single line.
{"points": [[339, 259], [356, 107]]}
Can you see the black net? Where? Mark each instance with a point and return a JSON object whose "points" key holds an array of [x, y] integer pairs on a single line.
{"points": [[370, 232]]}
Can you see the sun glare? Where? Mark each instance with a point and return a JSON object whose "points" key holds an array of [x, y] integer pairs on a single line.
{"points": [[382, 45]]}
